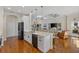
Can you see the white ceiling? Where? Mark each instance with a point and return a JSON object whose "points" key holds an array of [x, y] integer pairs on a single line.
{"points": [[61, 10]]}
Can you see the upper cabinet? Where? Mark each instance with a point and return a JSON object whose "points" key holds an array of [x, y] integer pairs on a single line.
{"points": [[27, 23]]}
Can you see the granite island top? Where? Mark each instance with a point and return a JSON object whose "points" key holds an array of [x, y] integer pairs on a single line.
{"points": [[41, 33], [30, 32]]}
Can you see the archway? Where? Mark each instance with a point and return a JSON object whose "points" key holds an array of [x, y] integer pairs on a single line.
{"points": [[11, 26]]}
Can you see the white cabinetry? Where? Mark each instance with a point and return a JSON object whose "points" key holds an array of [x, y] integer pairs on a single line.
{"points": [[47, 43], [27, 23], [44, 43], [44, 40], [40, 43], [28, 37]]}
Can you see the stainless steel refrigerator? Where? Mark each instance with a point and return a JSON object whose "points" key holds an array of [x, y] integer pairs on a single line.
{"points": [[21, 30]]}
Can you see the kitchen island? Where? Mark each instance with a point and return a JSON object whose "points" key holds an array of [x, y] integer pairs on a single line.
{"points": [[39, 39], [44, 41]]}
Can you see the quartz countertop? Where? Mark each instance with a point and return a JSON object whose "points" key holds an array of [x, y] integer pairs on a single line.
{"points": [[30, 32], [40, 33]]}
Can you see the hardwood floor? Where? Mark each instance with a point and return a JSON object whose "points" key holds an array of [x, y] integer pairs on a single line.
{"points": [[13, 45], [64, 46]]}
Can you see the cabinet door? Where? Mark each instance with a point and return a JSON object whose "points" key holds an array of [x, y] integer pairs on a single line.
{"points": [[41, 43], [47, 43], [29, 38], [25, 37]]}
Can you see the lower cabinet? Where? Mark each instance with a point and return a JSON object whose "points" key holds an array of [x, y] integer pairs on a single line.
{"points": [[44, 43], [28, 37], [40, 43]]}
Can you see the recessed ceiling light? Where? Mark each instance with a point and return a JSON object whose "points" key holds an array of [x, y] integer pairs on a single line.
{"points": [[9, 8]]}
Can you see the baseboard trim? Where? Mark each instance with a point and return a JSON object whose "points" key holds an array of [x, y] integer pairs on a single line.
{"points": [[12, 37]]}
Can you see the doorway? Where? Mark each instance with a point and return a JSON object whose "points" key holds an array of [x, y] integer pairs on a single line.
{"points": [[11, 26]]}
